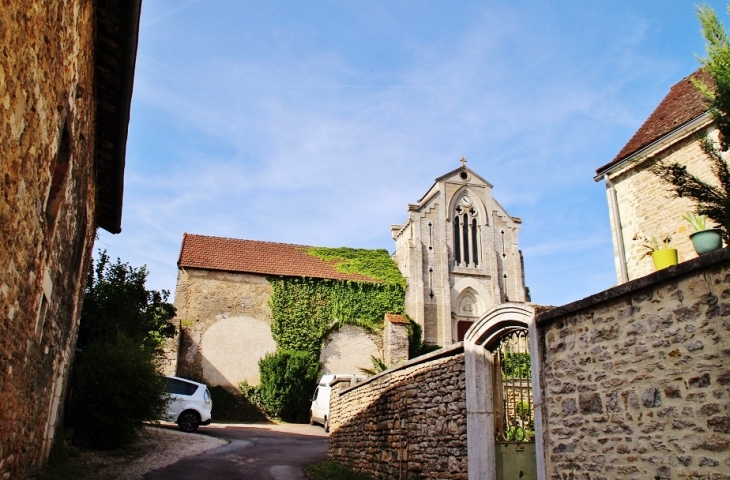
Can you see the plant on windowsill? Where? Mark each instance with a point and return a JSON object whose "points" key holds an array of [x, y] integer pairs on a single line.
{"points": [[705, 240], [660, 250]]}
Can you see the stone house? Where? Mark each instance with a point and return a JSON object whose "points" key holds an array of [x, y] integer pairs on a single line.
{"points": [[639, 203], [458, 253], [66, 74]]}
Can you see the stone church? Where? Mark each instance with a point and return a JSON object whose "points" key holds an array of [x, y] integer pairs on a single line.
{"points": [[458, 252]]}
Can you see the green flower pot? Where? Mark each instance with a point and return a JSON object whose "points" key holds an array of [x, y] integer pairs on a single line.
{"points": [[706, 241], [664, 258]]}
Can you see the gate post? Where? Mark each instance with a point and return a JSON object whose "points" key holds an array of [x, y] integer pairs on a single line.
{"points": [[479, 413]]}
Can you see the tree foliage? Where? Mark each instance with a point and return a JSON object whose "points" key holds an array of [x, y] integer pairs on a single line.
{"points": [[116, 302], [121, 331], [717, 64], [712, 200]]}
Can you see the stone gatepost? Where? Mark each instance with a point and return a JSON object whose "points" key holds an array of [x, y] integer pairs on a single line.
{"points": [[395, 339]]}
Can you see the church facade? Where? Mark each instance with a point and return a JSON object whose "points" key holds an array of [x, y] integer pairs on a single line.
{"points": [[459, 254]]}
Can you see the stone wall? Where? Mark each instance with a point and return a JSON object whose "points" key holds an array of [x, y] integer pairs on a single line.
{"points": [[636, 379], [47, 215], [647, 207], [349, 349], [224, 320], [408, 422]]}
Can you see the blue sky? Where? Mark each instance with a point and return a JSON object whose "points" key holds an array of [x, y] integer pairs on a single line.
{"points": [[318, 122]]}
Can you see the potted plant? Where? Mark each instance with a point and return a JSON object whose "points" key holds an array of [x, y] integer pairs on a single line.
{"points": [[660, 251], [705, 240]]}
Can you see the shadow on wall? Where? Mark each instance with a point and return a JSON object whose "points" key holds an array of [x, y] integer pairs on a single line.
{"points": [[225, 352], [349, 349], [392, 427]]}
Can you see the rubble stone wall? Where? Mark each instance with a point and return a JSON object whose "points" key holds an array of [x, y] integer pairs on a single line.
{"points": [[636, 379], [408, 422], [224, 319], [47, 208]]}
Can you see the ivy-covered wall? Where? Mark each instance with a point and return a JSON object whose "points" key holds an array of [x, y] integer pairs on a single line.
{"points": [[306, 310]]}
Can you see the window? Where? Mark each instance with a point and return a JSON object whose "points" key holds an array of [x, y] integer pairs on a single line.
{"points": [[466, 233], [179, 387]]}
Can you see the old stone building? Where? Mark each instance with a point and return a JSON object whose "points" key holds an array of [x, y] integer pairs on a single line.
{"points": [[640, 205], [459, 254], [66, 73], [222, 297]]}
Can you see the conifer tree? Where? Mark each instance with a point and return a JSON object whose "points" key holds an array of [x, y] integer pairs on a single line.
{"points": [[712, 200]]}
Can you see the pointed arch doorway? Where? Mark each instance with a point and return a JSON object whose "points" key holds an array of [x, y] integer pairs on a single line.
{"points": [[504, 416]]}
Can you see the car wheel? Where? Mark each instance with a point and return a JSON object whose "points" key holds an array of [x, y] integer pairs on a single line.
{"points": [[311, 418], [188, 421], [326, 424]]}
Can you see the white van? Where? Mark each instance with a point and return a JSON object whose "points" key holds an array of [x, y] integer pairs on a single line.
{"points": [[319, 412]]}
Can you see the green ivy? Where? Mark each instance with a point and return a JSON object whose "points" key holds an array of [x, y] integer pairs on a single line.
{"points": [[306, 310], [516, 365], [375, 264]]}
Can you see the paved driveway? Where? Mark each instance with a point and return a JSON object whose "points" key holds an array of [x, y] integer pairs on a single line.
{"points": [[256, 452]]}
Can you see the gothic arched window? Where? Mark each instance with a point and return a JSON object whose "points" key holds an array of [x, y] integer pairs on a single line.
{"points": [[466, 233]]}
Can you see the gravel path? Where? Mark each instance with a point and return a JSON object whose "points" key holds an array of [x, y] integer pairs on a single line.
{"points": [[156, 448]]}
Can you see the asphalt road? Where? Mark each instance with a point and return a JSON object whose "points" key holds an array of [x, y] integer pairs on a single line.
{"points": [[255, 452]]}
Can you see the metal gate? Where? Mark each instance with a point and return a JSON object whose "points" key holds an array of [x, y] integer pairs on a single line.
{"points": [[514, 418]]}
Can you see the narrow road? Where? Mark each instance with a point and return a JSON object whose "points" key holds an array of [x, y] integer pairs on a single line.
{"points": [[255, 452]]}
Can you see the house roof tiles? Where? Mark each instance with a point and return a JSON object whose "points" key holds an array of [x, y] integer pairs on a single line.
{"points": [[682, 104], [251, 256]]}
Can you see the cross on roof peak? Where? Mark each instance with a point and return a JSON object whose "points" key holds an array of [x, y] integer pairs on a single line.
{"points": [[463, 162]]}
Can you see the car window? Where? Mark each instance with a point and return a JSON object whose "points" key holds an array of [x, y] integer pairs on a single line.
{"points": [[314, 395], [179, 387]]}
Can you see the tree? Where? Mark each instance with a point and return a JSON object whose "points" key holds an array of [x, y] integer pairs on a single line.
{"points": [[712, 200], [123, 326], [117, 302]]}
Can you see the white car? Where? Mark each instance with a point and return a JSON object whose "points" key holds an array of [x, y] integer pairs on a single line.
{"points": [[190, 403], [319, 412]]}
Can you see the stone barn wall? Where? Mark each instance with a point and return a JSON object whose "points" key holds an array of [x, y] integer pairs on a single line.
{"points": [[636, 379], [408, 422], [224, 319], [225, 328]]}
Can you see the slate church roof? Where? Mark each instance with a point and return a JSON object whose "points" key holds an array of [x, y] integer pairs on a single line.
{"points": [[682, 104], [252, 256]]}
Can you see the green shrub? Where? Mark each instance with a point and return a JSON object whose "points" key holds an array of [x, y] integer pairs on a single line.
{"points": [[118, 390], [288, 379]]}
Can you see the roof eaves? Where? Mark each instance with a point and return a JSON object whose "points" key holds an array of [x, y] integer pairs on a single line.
{"points": [[678, 133], [115, 54]]}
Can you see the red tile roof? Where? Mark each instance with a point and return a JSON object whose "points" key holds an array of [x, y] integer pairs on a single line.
{"points": [[251, 256], [683, 104]]}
